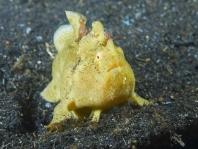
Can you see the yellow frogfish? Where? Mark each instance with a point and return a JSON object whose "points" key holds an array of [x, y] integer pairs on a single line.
{"points": [[90, 73]]}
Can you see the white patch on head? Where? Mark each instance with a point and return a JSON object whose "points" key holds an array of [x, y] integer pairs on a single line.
{"points": [[62, 34]]}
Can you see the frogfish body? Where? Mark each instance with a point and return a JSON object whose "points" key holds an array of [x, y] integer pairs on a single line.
{"points": [[90, 73]]}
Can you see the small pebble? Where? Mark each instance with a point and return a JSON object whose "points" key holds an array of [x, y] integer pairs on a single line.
{"points": [[47, 105]]}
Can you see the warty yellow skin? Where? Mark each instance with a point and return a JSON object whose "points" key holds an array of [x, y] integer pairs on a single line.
{"points": [[90, 74]]}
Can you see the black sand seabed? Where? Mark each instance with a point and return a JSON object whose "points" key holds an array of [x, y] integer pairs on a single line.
{"points": [[164, 31]]}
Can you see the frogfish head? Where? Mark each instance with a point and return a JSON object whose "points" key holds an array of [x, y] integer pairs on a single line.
{"points": [[103, 77]]}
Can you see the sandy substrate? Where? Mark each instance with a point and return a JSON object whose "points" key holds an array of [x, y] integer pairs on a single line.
{"points": [[165, 32]]}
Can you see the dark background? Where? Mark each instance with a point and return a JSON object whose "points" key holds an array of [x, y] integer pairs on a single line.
{"points": [[164, 31]]}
